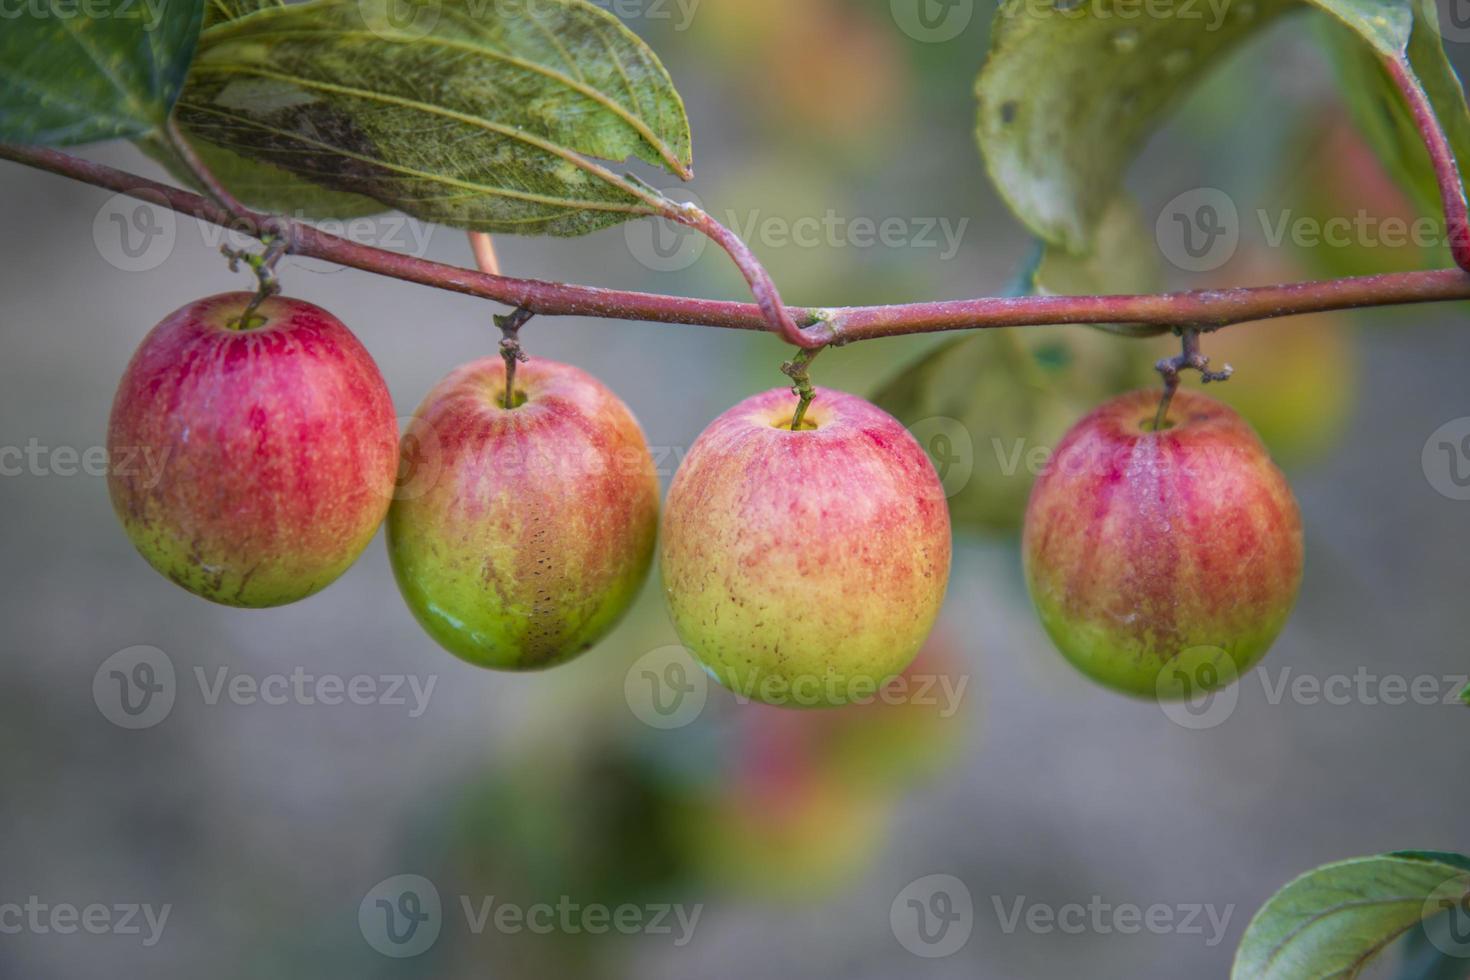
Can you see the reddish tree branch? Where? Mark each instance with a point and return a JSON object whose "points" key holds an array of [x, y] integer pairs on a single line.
{"points": [[1207, 309]]}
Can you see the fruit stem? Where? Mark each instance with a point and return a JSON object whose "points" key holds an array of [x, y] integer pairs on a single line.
{"points": [[510, 348], [276, 233], [796, 370], [1190, 358]]}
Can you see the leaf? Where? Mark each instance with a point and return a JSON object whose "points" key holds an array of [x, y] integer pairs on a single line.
{"points": [[1123, 260], [114, 71], [1381, 113], [1070, 92], [264, 186], [224, 11], [490, 117], [1332, 921]]}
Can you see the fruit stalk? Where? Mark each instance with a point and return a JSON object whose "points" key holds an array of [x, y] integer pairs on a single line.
{"points": [[1207, 308]]}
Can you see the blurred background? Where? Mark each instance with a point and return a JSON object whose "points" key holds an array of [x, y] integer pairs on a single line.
{"points": [[947, 836]]}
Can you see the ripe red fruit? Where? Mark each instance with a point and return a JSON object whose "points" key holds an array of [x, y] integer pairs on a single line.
{"points": [[1163, 563], [253, 465], [805, 568], [521, 535]]}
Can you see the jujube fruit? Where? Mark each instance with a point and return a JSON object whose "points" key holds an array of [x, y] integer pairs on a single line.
{"points": [[520, 535], [1146, 550], [252, 463], [805, 568]]}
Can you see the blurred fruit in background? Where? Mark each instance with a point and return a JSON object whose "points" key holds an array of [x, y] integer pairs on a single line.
{"points": [[822, 70], [746, 802], [1375, 227], [999, 401]]}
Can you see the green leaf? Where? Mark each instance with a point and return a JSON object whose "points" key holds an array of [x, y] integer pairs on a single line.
{"points": [[224, 11], [264, 186], [1123, 259], [491, 116], [1381, 113], [1071, 91], [1332, 921], [112, 72]]}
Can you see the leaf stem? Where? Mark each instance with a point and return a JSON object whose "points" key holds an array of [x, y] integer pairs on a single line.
{"points": [[1208, 309], [1441, 155]]}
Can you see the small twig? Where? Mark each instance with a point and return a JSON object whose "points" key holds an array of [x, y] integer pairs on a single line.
{"points": [[510, 348], [1190, 358], [801, 386]]}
